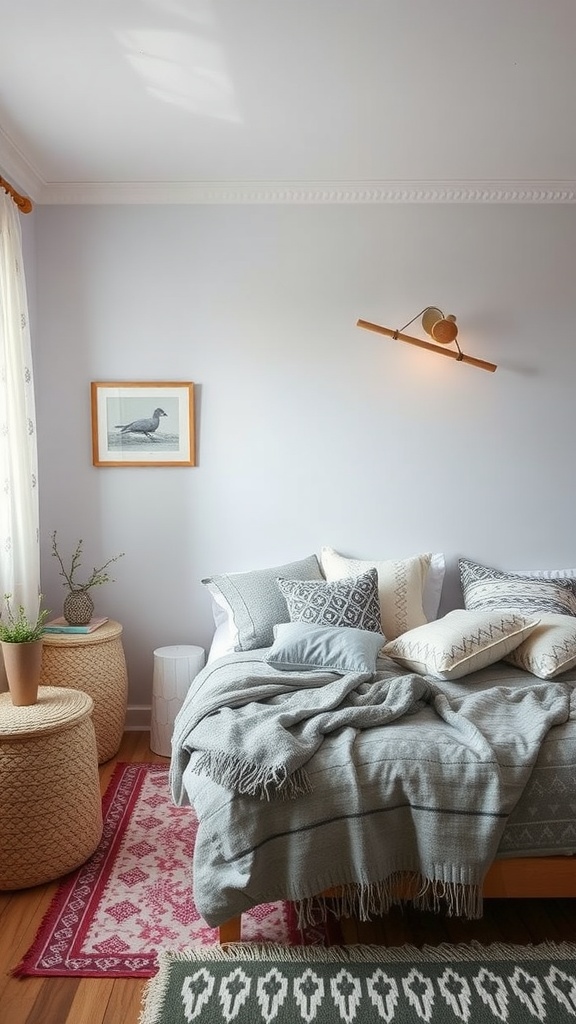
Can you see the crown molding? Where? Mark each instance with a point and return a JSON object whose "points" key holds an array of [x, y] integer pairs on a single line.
{"points": [[15, 167], [306, 192], [19, 171]]}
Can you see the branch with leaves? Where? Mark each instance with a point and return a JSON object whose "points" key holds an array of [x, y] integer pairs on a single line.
{"points": [[98, 577], [17, 628]]}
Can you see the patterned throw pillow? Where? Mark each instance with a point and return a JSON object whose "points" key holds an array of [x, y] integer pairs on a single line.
{"points": [[401, 583], [350, 602], [489, 588], [460, 643], [549, 650]]}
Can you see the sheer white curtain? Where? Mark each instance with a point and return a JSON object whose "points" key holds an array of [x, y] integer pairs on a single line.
{"points": [[19, 516]]}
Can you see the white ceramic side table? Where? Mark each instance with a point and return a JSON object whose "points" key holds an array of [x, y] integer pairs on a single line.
{"points": [[174, 669]]}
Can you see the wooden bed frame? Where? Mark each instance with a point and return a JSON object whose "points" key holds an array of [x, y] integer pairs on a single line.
{"points": [[514, 878]]}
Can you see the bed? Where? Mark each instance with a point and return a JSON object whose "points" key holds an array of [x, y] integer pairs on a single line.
{"points": [[353, 751]]}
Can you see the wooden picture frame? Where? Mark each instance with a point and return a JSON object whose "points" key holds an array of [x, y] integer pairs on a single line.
{"points": [[121, 412]]}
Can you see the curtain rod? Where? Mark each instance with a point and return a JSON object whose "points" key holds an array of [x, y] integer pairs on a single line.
{"points": [[22, 202]]}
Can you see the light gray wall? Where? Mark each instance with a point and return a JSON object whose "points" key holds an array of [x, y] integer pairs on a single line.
{"points": [[310, 431]]}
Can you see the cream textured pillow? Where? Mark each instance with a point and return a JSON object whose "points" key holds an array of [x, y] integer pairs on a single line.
{"points": [[400, 586], [550, 649], [461, 642]]}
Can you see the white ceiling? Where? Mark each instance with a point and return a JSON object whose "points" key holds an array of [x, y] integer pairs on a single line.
{"points": [[288, 100]]}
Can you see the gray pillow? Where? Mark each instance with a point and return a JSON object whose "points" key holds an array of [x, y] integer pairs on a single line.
{"points": [[351, 602], [299, 645], [255, 602]]}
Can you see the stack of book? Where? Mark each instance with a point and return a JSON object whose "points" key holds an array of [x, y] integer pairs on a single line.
{"points": [[61, 626]]}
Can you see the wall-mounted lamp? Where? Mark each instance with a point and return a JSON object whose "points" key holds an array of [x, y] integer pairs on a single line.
{"points": [[442, 329]]}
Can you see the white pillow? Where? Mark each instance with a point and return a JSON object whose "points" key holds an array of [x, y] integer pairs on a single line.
{"points": [[222, 643], [226, 633], [550, 649], [400, 586], [461, 642], [433, 586], [547, 574]]}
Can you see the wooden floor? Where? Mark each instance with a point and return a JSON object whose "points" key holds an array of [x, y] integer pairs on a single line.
{"points": [[117, 1001]]}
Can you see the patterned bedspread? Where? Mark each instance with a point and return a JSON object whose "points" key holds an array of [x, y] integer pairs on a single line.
{"points": [[303, 781]]}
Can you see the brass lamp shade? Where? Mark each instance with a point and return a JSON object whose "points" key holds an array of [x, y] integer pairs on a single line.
{"points": [[431, 316], [442, 329]]}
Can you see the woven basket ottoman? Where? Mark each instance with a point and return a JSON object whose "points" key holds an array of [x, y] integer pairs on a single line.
{"points": [[50, 803], [95, 663]]}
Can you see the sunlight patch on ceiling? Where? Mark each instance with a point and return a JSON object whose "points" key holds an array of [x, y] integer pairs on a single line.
{"points": [[184, 70]]}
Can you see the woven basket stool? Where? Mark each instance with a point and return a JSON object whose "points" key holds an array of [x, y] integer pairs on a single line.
{"points": [[50, 803], [95, 663]]}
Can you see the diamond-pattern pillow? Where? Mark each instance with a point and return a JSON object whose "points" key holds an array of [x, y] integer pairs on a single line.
{"points": [[349, 602]]}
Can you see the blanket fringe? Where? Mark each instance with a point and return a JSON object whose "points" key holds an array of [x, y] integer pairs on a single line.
{"points": [[263, 781], [375, 899]]}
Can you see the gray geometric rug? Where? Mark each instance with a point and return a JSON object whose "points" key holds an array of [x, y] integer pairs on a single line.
{"points": [[249, 984]]}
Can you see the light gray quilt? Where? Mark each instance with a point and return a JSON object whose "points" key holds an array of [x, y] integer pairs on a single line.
{"points": [[306, 780]]}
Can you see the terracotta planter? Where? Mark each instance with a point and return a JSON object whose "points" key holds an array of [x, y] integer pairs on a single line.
{"points": [[23, 664]]}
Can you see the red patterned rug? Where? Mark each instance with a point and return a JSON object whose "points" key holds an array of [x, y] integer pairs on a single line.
{"points": [[133, 897]]}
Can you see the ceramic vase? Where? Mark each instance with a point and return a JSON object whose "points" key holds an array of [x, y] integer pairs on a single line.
{"points": [[23, 664]]}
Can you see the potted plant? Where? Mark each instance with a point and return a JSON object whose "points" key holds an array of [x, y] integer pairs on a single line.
{"points": [[78, 605], [21, 640]]}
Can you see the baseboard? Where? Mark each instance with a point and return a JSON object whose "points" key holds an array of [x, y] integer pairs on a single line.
{"points": [[138, 717]]}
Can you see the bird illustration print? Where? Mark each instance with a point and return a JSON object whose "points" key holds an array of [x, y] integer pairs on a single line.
{"points": [[145, 426]]}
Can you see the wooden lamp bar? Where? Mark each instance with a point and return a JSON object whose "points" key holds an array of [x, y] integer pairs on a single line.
{"points": [[482, 364], [22, 202]]}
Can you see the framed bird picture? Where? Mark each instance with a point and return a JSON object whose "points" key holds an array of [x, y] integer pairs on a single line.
{"points": [[143, 423]]}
